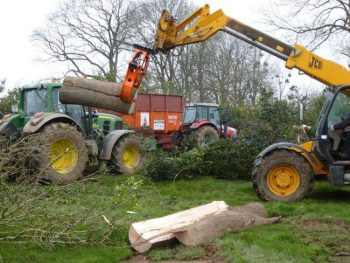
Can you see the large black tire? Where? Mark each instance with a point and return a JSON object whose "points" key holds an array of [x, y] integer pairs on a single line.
{"points": [[3, 155], [205, 135], [59, 153], [3, 142], [282, 175], [127, 155]]}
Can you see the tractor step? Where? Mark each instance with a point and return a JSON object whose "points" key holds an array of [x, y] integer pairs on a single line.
{"points": [[341, 163]]}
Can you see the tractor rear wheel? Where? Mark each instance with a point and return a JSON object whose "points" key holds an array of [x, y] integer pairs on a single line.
{"points": [[282, 176], [3, 156], [127, 157], [3, 142], [60, 153], [205, 135]]}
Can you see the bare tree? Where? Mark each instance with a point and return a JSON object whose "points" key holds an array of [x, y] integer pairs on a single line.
{"points": [[85, 35], [316, 20], [165, 68]]}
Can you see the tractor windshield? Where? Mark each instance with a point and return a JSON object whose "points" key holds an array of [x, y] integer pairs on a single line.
{"points": [[214, 116], [340, 108], [34, 101], [189, 115]]}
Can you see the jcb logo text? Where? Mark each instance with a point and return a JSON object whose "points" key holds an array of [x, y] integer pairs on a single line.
{"points": [[315, 63]]}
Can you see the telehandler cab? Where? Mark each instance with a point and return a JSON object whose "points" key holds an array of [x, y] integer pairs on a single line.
{"points": [[282, 171]]}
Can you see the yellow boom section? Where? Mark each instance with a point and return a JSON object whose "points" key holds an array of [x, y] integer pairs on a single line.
{"points": [[201, 25], [323, 70], [171, 34]]}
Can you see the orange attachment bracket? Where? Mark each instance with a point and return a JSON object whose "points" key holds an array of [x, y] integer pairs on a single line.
{"points": [[137, 69]]}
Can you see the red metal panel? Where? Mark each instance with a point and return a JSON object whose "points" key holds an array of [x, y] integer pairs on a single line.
{"points": [[162, 113], [143, 102], [175, 103], [159, 102]]}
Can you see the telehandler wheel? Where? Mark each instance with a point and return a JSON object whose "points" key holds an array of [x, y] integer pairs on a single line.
{"points": [[127, 156], [205, 135], [60, 154], [282, 176]]}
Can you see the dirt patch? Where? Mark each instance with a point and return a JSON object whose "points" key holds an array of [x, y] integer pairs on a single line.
{"points": [[332, 233], [208, 258], [143, 259], [326, 223], [345, 258]]}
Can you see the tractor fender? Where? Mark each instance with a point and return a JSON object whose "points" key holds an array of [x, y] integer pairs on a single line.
{"points": [[109, 142], [288, 146], [37, 122], [7, 128]]}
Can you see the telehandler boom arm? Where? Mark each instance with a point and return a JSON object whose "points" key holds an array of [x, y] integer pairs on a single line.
{"points": [[201, 25]]}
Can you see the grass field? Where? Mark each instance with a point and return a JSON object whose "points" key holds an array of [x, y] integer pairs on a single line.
{"points": [[316, 229]]}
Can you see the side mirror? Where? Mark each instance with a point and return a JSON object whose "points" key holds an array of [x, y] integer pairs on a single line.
{"points": [[301, 112], [14, 108]]}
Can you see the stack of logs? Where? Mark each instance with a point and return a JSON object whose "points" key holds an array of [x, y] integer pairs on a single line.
{"points": [[95, 93]]}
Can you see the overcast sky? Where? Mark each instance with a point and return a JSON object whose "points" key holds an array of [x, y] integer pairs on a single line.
{"points": [[18, 56]]}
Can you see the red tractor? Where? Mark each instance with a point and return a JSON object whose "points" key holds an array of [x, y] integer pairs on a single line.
{"points": [[202, 122]]}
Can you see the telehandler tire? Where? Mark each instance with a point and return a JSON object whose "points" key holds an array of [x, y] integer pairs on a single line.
{"points": [[205, 135], [59, 153], [127, 156], [282, 175]]}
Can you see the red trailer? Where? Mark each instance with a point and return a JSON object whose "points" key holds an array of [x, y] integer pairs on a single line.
{"points": [[157, 115]]}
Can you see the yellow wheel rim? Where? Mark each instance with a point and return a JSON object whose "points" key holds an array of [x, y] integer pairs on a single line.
{"points": [[131, 156], [63, 156], [283, 180]]}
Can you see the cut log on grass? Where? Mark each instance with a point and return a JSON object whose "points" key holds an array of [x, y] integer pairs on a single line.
{"points": [[236, 219], [143, 235], [198, 226], [95, 93]]}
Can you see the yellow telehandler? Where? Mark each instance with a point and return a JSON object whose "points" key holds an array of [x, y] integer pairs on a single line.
{"points": [[282, 171]]}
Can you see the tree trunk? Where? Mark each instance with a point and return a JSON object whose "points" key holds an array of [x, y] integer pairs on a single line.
{"points": [[95, 93], [143, 235], [236, 219], [199, 225]]}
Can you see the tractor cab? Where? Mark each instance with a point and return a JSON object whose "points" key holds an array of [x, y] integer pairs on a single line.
{"points": [[201, 112], [333, 145], [198, 114], [43, 99]]}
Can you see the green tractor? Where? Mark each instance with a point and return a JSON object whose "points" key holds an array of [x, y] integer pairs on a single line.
{"points": [[70, 140]]}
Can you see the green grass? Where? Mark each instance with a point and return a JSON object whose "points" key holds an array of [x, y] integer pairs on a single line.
{"points": [[311, 230]]}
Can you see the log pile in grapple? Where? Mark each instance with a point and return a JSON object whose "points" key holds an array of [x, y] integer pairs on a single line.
{"points": [[95, 93]]}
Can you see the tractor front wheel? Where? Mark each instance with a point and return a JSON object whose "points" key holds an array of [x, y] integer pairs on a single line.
{"points": [[205, 135], [127, 157], [282, 176], [60, 153]]}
